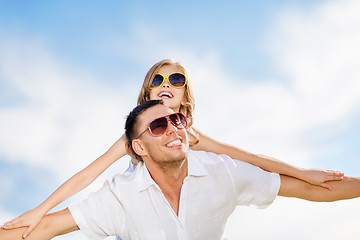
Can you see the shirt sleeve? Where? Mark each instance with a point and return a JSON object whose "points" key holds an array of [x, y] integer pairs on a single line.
{"points": [[100, 215], [253, 186]]}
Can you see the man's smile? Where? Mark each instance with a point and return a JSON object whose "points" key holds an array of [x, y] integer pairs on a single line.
{"points": [[174, 143]]}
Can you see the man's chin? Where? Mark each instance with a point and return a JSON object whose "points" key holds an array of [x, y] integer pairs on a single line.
{"points": [[179, 155], [183, 153]]}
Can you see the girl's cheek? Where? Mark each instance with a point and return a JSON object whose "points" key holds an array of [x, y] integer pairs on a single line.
{"points": [[152, 95]]}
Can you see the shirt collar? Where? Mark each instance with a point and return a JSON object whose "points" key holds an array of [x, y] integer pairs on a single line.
{"points": [[195, 169], [143, 177]]}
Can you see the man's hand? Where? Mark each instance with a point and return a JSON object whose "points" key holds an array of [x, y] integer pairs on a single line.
{"points": [[347, 188]]}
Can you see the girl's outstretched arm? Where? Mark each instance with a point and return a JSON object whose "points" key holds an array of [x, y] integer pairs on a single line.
{"points": [[314, 176], [72, 186]]}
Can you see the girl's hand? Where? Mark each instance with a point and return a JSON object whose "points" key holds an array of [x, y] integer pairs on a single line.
{"points": [[29, 219], [319, 177]]}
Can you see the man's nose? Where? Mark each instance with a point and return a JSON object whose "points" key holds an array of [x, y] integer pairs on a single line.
{"points": [[171, 128]]}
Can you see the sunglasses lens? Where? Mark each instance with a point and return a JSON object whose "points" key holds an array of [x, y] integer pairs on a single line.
{"points": [[158, 126], [158, 79], [177, 79], [178, 120]]}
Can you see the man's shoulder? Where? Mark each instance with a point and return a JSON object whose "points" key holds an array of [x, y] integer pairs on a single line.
{"points": [[218, 160], [210, 160], [128, 176], [125, 180], [208, 157]]}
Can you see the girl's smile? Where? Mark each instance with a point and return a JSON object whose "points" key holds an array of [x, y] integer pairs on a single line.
{"points": [[165, 95]]}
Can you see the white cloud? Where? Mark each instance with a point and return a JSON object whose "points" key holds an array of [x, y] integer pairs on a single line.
{"points": [[318, 60], [63, 110], [318, 52], [62, 119]]}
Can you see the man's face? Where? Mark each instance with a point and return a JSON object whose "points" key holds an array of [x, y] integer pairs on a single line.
{"points": [[166, 149]]}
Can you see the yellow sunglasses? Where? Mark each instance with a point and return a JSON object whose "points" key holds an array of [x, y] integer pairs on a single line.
{"points": [[176, 80]]}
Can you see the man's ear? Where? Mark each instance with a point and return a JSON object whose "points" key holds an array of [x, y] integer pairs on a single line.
{"points": [[138, 147]]}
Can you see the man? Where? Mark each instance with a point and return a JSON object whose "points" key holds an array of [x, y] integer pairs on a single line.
{"points": [[175, 193]]}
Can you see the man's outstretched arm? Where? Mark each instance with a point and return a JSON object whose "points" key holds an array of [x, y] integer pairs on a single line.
{"points": [[51, 225], [347, 188]]}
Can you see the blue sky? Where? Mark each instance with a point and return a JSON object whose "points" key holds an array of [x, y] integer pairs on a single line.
{"points": [[281, 75]]}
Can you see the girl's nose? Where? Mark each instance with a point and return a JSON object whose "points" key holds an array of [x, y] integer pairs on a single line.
{"points": [[166, 84]]}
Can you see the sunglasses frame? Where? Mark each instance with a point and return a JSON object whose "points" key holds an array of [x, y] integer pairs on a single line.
{"points": [[167, 77], [167, 117]]}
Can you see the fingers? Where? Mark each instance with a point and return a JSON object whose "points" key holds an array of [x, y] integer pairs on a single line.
{"points": [[326, 186], [334, 175], [331, 176], [15, 223], [11, 224], [28, 231]]}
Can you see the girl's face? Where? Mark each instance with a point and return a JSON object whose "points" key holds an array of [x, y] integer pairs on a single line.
{"points": [[172, 97]]}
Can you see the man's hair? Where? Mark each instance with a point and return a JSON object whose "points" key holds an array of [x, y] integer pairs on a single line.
{"points": [[131, 121]]}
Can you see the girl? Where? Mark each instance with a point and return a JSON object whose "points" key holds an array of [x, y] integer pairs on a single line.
{"points": [[166, 80]]}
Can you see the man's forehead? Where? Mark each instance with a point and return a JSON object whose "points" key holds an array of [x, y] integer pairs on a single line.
{"points": [[154, 112]]}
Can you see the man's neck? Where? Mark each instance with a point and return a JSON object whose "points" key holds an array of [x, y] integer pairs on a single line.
{"points": [[169, 177], [169, 173]]}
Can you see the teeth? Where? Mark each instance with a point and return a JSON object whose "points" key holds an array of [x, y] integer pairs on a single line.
{"points": [[173, 143], [165, 94]]}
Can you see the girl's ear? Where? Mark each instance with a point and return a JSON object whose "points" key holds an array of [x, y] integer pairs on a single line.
{"points": [[138, 147]]}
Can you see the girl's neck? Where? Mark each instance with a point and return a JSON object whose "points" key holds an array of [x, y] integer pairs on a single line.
{"points": [[176, 109]]}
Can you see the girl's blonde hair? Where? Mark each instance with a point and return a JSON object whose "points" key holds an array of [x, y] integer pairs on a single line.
{"points": [[188, 107]]}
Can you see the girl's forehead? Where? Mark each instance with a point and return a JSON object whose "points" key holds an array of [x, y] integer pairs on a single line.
{"points": [[169, 69]]}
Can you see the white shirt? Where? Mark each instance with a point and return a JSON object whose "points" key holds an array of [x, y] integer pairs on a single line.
{"points": [[133, 206]]}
